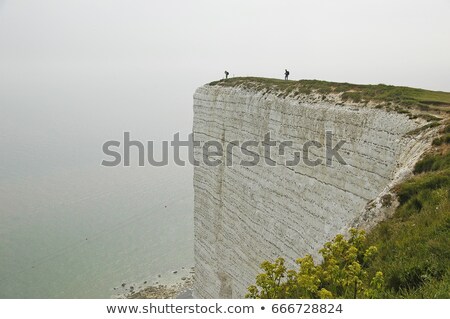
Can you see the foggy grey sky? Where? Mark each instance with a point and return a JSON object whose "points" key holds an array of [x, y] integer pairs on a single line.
{"points": [[105, 66], [395, 42]]}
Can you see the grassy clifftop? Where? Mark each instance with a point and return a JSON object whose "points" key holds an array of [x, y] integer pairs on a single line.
{"points": [[396, 97]]}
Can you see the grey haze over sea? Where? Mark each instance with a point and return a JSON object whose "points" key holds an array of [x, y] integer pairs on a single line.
{"points": [[70, 228]]}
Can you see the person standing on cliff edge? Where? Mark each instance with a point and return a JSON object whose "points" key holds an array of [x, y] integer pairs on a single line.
{"points": [[286, 74], [226, 75]]}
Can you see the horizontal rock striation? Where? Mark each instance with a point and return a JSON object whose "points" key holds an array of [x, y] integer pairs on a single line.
{"points": [[247, 214]]}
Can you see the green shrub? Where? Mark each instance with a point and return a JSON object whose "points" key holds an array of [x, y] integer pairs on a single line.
{"points": [[342, 274], [423, 128], [446, 129], [432, 162], [445, 139], [430, 118], [411, 189]]}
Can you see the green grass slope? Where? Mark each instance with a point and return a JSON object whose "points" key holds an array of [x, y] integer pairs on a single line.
{"points": [[414, 245]]}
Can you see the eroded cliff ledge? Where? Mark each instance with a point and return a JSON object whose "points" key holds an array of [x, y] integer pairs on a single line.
{"points": [[247, 214]]}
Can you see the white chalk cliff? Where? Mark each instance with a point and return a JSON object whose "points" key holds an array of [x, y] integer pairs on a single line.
{"points": [[247, 214]]}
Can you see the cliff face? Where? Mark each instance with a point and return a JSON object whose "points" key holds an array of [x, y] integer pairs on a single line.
{"points": [[247, 214]]}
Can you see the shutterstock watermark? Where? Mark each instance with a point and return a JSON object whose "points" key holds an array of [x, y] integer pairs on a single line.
{"points": [[214, 152]]}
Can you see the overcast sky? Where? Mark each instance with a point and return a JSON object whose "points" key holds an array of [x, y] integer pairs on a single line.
{"points": [[398, 42], [110, 65]]}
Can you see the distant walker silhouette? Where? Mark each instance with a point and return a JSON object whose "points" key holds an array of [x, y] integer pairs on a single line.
{"points": [[226, 74], [286, 74]]}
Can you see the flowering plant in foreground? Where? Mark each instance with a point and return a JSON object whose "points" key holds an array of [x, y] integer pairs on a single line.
{"points": [[342, 274]]}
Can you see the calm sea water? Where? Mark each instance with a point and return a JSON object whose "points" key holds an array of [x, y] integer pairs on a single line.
{"points": [[79, 233], [70, 228]]}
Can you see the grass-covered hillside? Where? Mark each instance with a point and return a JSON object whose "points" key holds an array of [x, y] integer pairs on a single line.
{"points": [[403, 99], [414, 245]]}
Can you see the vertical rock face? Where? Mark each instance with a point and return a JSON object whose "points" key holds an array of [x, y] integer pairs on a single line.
{"points": [[247, 214]]}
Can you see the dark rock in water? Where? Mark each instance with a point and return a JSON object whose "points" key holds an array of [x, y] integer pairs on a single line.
{"points": [[145, 282], [156, 282], [131, 288], [123, 285], [174, 272], [183, 278], [159, 276]]}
